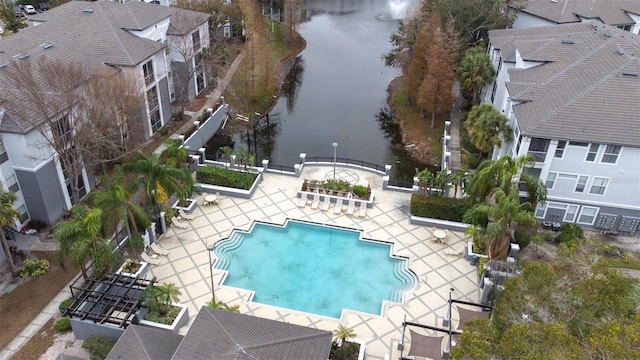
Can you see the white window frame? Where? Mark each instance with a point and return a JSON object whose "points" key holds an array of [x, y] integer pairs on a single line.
{"points": [[12, 183], [541, 207], [591, 152], [3, 153], [569, 212], [605, 153], [603, 186], [579, 221], [584, 185], [551, 177], [24, 214]]}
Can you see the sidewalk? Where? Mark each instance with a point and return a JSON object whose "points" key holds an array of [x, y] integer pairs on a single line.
{"points": [[456, 118]]}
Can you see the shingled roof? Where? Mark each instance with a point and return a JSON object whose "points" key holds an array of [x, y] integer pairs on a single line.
{"points": [[612, 12], [141, 342], [586, 88], [219, 334]]}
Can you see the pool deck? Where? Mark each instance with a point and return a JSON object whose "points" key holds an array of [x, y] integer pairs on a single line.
{"points": [[187, 264]]}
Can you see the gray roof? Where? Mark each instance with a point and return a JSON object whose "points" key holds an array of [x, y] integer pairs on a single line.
{"points": [[93, 34], [221, 335], [586, 88], [145, 343], [612, 12]]}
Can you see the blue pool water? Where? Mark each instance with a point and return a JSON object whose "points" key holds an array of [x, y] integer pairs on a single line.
{"points": [[313, 268]]}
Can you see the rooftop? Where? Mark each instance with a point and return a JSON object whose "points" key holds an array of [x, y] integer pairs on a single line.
{"points": [[612, 12], [581, 78]]}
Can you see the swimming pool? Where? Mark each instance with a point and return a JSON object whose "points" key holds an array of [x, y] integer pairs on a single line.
{"points": [[313, 268]]}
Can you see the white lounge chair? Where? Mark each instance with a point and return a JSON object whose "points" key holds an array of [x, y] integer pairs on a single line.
{"points": [[186, 216], [204, 199], [338, 208], [178, 223], [149, 259], [303, 200], [351, 207], [326, 203], [363, 209], [217, 198], [455, 252], [158, 250], [316, 201]]}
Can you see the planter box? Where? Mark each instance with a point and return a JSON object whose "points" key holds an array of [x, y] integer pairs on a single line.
{"points": [[340, 195], [189, 208], [142, 271], [227, 191], [181, 320], [362, 352]]}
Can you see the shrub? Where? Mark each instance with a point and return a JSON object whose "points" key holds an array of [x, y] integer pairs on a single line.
{"points": [[34, 268], [65, 304], [360, 191], [98, 346], [215, 175], [62, 325], [168, 214], [438, 207], [522, 237], [570, 236]]}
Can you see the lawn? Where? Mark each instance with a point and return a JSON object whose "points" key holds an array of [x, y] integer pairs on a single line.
{"points": [[20, 306]]}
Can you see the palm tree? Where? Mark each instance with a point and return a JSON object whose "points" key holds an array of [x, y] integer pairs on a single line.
{"points": [[81, 239], [342, 333], [443, 181], [174, 154], [496, 173], [116, 205], [7, 217], [536, 191], [158, 298], [217, 304], [158, 180], [426, 181], [504, 216], [458, 179], [487, 128], [227, 151], [474, 71]]}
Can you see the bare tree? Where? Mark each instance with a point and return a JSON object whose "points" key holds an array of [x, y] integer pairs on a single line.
{"points": [[292, 17], [77, 113]]}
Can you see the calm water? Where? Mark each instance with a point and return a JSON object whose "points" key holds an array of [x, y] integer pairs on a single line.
{"points": [[311, 268], [335, 91]]}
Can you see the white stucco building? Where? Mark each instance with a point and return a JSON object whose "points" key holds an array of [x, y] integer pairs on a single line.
{"points": [[572, 96]]}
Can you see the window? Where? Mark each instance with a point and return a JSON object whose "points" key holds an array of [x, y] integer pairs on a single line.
{"points": [[3, 153], [588, 215], [599, 185], [518, 146], [538, 147], [23, 213], [154, 110], [152, 98], [156, 121], [593, 151], [578, 143], [147, 71], [551, 179], [12, 184], [581, 184], [542, 208], [195, 40], [570, 215], [567, 176], [611, 153], [560, 149], [199, 69], [62, 128]]}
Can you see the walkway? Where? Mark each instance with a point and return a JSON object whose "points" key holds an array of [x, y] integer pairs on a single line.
{"points": [[456, 118], [187, 264]]}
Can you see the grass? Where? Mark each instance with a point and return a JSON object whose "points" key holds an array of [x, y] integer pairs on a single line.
{"points": [[38, 344], [20, 306]]}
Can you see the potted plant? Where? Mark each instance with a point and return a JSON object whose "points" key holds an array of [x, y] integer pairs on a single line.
{"points": [[344, 346], [161, 308]]}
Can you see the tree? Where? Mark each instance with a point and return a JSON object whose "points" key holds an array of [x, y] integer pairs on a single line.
{"points": [[342, 333], [487, 127], [573, 309], [7, 217], [474, 71], [443, 181], [404, 41], [426, 181], [158, 298], [117, 208], [504, 216], [217, 304], [77, 113], [158, 180], [292, 17], [8, 17], [459, 177], [81, 239], [498, 173]]}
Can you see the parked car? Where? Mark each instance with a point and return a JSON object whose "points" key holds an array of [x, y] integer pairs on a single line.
{"points": [[1, 31], [17, 11], [43, 6], [29, 9]]}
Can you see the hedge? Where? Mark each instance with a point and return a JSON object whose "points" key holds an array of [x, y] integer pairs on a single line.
{"points": [[436, 207], [214, 175]]}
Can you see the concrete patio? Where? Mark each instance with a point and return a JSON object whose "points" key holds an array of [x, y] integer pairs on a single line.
{"points": [[187, 264]]}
